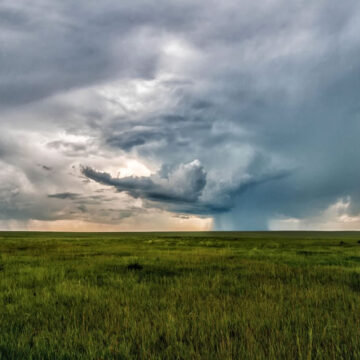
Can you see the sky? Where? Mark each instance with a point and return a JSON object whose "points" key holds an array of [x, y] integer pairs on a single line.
{"points": [[149, 115]]}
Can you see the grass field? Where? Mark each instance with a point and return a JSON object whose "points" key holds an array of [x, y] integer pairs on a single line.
{"points": [[276, 295]]}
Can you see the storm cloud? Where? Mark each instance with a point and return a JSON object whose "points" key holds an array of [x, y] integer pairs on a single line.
{"points": [[244, 113], [184, 184]]}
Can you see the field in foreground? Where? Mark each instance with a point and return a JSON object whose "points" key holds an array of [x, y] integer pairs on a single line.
{"points": [[276, 295]]}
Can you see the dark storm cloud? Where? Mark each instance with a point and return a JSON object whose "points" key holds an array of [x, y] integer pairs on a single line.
{"points": [[264, 94], [184, 184], [181, 189], [45, 167], [49, 47], [63, 196], [129, 139]]}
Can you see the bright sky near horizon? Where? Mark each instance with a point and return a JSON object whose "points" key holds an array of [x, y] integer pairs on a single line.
{"points": [[179, 115]]}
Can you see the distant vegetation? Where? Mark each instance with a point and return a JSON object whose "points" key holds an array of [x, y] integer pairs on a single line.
{"points": [[180, 296]]}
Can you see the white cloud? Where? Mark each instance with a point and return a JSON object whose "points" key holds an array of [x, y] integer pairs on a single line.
{"points": [[336, 217]]}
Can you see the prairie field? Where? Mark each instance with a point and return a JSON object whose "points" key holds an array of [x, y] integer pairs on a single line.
{"points": [[214, 295]]}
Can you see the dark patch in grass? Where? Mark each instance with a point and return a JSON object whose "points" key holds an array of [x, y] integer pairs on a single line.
{"points": [[156, 273], [309, 253], [8, 299], [353, 258], [342, 243], [135, 266], [71, 273], [161, 342], [355, 281], [306, 253], [104, 253]]}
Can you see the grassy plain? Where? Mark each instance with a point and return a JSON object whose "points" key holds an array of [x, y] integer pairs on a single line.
{"points": [[251, 295]]}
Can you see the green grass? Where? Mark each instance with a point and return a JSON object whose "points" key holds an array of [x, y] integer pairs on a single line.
{"points": [[276, 295]]}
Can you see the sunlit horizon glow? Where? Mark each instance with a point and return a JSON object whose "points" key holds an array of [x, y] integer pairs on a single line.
{"points": [[150, 223]]}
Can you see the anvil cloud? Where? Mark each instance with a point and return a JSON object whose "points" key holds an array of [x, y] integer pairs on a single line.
{"points": [[144, 115]]}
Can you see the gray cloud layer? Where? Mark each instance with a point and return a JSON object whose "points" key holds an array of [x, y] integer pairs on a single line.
{"points": [[263, 94], [184, 184]]}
